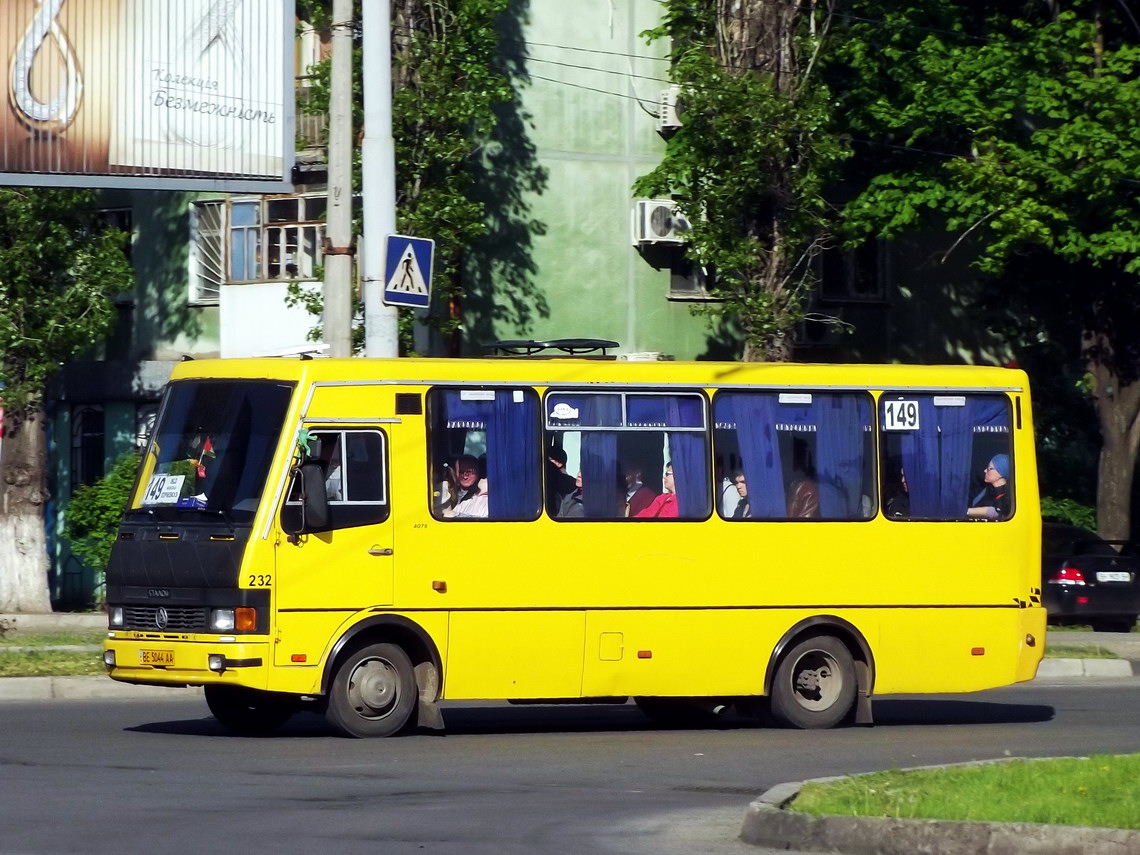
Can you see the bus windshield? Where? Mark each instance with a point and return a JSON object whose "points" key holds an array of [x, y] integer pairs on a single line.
{"points": [[212, 448]]}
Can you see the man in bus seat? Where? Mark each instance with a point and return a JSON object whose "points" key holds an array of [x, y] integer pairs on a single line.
{"points": [[559, 482], [471, 491], [637, 496], [742, 510], [572, 504], [665, 505], [993, 502]]}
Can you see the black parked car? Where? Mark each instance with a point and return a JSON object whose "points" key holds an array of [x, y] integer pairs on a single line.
{"points": [[1085, 579]]}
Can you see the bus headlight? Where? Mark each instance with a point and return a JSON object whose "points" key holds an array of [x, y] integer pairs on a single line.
{"points": [[243, 619], [109, 658], [114, 616], [222, 620]]}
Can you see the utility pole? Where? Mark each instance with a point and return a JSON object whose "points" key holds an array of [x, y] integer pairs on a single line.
{"points": [[337, 289], [378, 154]]}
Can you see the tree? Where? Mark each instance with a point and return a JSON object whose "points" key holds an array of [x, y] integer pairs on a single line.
{"points": [[751, 160], [449, 85], [94, 513], [1014, 127], [59, 267]]}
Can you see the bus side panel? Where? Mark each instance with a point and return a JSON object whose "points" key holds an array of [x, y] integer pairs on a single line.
{"points": [[954, 650], [677, 652], [514, 654]]}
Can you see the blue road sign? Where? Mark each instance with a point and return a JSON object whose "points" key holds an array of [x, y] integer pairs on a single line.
{"points": [[407, 271]]}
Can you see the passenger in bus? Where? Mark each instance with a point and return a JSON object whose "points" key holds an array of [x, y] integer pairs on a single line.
{"points": [[471, 490], [665, 505], [559, 482], [637, 496], [993, 502], [803, 489], [742, 510], [572, 503], [898, 503]]}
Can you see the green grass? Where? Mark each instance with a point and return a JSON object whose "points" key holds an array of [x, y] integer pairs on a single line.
{"points": [[51, 663], [50, 639], [1101, 791], [1075, 651]]}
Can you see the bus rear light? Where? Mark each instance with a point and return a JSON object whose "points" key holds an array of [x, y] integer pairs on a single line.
{"points": [[245, 619], [1067, 576], [1082, 601]]}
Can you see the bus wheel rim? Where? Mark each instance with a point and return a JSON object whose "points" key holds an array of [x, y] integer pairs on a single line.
{"points": [[817, 680], [374, 688]]}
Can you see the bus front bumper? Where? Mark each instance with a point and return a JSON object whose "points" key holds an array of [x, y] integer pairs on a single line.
{"points": [[165, 662]]}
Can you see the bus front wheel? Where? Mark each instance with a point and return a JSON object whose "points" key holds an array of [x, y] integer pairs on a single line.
{"points": [[373, 692], [814, 685], [247, 711]]}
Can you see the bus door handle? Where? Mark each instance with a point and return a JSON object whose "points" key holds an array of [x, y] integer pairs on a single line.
{"points": [[380, 550]]}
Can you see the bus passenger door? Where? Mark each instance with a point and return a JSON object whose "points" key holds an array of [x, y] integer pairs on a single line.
{"points": [[323, 577]]}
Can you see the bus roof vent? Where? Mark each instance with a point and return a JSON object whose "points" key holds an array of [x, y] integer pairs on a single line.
{"points": [[593, 348]]}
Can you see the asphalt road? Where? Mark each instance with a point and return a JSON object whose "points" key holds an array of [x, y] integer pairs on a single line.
{"points": [[119, 776]]}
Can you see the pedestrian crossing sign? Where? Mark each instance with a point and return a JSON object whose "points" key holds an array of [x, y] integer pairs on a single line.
{"points": [[407, 271]]}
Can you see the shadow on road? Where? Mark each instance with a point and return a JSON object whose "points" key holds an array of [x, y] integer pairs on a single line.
{"points": [[499, 718]]}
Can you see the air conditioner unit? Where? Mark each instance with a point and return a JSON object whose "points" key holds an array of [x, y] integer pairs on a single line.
{"points": [[669, 110], [657, 221]]}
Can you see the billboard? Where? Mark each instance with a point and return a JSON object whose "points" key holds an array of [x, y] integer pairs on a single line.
{"points": [[161, 94]]}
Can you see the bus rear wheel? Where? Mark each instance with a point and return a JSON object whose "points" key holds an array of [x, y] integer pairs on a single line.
{"points": [[814, 685], [373, 693], [247, 711]]}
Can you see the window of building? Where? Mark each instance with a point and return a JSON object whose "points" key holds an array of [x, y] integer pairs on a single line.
{"points": [[485, 460], [797, 455], [638, 455], [946, 457], [356, 484], [88, 437], [854, 275], [254, 239]]}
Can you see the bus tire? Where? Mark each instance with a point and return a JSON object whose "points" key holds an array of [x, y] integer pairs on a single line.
{"points": [[814, 686], [373, 693], [248, 712]]}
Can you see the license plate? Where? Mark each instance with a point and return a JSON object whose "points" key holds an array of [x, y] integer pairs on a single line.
{"points": [[1113, 576], [156, 657]]}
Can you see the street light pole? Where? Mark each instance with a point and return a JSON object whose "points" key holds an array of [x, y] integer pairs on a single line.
{"points": [[336, 292], [378, 155]]}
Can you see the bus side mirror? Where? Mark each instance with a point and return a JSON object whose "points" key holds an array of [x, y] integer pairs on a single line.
{"points": [[314, 499]]}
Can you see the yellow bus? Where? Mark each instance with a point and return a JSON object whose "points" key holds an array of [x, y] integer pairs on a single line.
{"points": [[366, 538]]}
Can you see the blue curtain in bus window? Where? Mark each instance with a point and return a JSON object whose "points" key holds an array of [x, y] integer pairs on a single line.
{"points": [[600, 496], [841, 421], [512, 457], [512, 449], [990, 416], [687, 453], [921, 462], [755, 419], [957, 440]]}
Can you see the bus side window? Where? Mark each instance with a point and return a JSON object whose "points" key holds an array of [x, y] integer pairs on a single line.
{"points": [[485, 457], [800, 455], [939, 454], [355, 468]]}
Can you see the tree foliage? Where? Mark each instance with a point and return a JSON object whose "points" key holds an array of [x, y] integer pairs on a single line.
{"points": [[448, 83], [60, 265], [752, 158], [1013, 127], [94, 513]]}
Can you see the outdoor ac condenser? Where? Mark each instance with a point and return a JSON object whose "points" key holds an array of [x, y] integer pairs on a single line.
{"points": [[657, 221]]}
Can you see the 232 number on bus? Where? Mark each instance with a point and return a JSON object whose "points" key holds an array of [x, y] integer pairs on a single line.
{"points": [[900, 415]]}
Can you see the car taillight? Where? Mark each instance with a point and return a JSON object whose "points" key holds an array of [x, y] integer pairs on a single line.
{"points": [[1068, 576]]}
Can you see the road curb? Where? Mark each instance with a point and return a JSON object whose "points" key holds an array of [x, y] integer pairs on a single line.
{"points": [[73, 688], [768, 823], [1050, 668]]}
